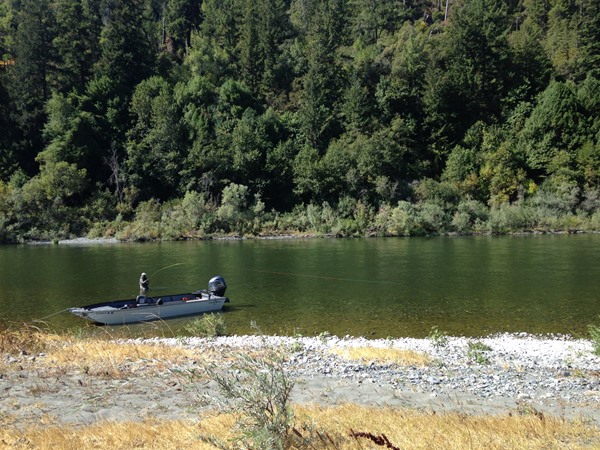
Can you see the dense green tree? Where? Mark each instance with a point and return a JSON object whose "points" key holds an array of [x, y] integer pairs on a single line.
{"points": [[345, 106], [588, 58], [182, 17], [220, 25], [203, 165], [472, 75], [279, 188], [154, 148], [532, 66], [364, 166], [465, 162], [264, 27], [562, 37], [8, 163], [249, 146], [373, 17], [128, 48], [29, 77], [47, 203], [76, 42], [250, 55], [480, 58], [555, 126], [275, 30], [83, 129], [408, 55], [321, 85], [6, 22]]}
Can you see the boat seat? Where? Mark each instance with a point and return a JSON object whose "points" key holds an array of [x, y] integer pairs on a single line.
{"points": [[141, 299]]}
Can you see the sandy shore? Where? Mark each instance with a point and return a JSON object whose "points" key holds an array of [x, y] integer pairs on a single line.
{"points": [[515, 374]]}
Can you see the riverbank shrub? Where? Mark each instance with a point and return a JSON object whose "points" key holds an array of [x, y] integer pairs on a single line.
{"points": [[256, 388], [518, 217], [209, 325], [594, 332], [195, 216]]}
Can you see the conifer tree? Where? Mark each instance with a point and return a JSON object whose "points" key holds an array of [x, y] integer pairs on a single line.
{"points": [[77, 42], [29, 78], [128, 48], [182, 17]]}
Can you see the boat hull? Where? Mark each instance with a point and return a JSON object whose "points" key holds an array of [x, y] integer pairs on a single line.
{"points": [[167, 307]]}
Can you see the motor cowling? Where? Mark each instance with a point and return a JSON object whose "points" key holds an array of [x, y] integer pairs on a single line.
{"points": [[217, 286]]}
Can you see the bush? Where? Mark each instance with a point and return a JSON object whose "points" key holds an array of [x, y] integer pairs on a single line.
{"points": [[508, 218], [209, 325], [437, 337], [469, 216], [558, 197], [257, 389], [477, 352], [433, 218], [233, 211], [402, 220], [190, 217], [594, 331]]}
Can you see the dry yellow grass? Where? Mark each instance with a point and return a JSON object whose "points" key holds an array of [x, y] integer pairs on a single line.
{"points": [[100, 356], [403, 428], [384, 356], [414, 430], [114, 359], [26, 339]]}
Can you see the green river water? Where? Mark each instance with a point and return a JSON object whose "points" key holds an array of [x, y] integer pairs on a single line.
{"points": [[388, 287]]}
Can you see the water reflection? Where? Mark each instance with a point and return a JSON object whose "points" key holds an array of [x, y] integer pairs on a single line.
{"points": [[370, 287]]}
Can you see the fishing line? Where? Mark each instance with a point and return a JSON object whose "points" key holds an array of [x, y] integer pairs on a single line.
{"points": [[326, 277], [51, 315], [172, 265]]}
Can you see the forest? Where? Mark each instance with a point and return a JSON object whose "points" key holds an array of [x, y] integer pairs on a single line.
{"points": [[189, 119]]}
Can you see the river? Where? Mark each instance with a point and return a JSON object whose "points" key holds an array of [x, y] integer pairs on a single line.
{"points": [[376, 287]]}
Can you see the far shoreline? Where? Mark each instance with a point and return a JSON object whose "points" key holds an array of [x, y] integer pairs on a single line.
{"points": [[83, 240]]}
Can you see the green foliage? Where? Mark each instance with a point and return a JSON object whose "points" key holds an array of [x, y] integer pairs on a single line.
{"points": [[437, 337], [209, 325], [478, 352], [516, 217], [257, 388], [182, 18], [594, 331], [349, 108], [77, 43], [233, 209], [554, 126], [42, 208], [470, 216], [155, 149], [126, 49]]}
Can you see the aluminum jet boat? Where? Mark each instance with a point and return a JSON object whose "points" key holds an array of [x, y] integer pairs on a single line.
{"points": [[144, 308]]}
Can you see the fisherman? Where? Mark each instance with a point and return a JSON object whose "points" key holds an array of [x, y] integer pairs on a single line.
{"points": [[144, 282]]}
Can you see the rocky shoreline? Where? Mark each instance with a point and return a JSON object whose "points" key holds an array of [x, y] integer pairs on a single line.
{"points": [[558, 375], [509, 374]]}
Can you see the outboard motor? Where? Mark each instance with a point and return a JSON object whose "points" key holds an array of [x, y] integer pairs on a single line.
{"points": [[217, 286]]}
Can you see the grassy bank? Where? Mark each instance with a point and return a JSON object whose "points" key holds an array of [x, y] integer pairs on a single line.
{"points": [[339, 428], [33, 356]]}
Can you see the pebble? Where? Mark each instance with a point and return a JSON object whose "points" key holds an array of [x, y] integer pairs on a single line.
{"points": [[521, 366]]}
